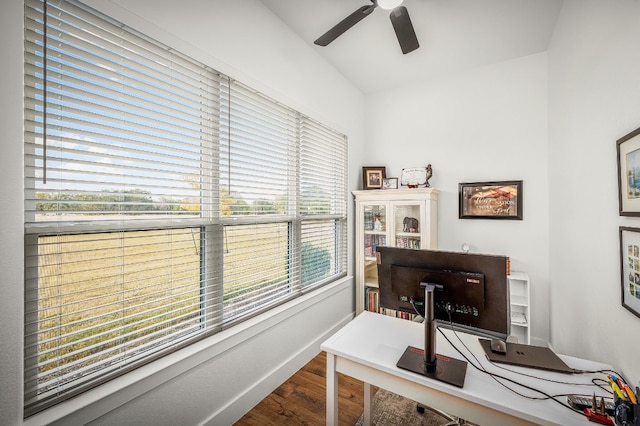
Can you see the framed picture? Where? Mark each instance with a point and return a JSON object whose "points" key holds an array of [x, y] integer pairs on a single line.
{"points": [[416, 176], [490, 200], [390, 183], [628, 148], [630, 268], [373, 177]]}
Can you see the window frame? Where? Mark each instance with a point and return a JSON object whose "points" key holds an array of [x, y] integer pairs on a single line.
{"points": [[212, 224]]}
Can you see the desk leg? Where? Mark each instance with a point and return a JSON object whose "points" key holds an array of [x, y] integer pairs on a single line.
{"points": [[332, 391], [367, 404]]}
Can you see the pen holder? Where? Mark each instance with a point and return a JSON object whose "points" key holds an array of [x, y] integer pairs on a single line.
{"points": [[626, 414]]}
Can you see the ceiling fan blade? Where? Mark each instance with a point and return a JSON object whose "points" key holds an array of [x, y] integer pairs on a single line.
{"points": [[404, 29], [344, 25]]}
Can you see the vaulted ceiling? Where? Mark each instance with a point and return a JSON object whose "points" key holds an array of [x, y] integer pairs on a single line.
{"points": [[454, 36]]}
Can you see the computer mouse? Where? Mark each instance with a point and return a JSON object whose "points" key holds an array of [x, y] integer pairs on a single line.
{"points": [[498, 346]]}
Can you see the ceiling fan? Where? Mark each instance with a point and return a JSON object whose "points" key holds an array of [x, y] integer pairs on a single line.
{"points": [[399, 19]]}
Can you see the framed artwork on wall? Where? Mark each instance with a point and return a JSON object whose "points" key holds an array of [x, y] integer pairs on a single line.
{"points": [[490, 200], [630, 268], [628, 148], [373, 177]]}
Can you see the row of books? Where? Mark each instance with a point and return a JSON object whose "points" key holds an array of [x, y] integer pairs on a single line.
{"points": [[371, 242], [372, 304], [404, 242]]}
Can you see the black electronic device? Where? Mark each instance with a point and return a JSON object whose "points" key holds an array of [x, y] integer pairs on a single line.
{"points": [[580, 402], [626, 412], [473, 293], [462, 290], [530, 356]]}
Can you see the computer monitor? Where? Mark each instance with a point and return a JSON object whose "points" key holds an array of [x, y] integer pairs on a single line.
{"points": [[474, 292], [467, 291]]}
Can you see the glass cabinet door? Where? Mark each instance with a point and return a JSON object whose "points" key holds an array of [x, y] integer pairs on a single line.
{"points": [[375, 229], [407, 225], [389, 218]]}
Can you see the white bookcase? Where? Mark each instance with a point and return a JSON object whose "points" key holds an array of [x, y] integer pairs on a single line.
{"points": [[380, 221], [520, 309]]}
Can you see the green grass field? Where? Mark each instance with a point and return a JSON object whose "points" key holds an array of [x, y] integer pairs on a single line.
{"points": [[96, 290], [102, 293], [105, 295]]}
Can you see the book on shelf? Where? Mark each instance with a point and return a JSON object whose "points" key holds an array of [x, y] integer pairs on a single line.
{"points": [[368, 246], [368, 220], [371, 242], [372, 299]]}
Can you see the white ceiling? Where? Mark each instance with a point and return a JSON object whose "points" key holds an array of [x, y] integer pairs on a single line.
{"points": [[454, 36]]}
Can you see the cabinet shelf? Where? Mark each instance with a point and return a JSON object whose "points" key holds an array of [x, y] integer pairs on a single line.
{"points": [[371, 283], [519, 300], [408, 234]]}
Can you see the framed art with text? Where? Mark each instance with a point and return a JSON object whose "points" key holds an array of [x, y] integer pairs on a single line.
{"points": [[628, 148], [630, 268], [490, 200]]}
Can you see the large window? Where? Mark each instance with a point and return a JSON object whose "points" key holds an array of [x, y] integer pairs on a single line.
{"points": [[164, 201]]}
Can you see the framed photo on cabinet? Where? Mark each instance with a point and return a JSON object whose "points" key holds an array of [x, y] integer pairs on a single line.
{"points": [[628, 148], [373, 177], [390, 183]]}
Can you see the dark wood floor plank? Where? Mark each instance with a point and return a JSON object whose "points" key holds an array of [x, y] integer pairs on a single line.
{"points": [[301, 399]]}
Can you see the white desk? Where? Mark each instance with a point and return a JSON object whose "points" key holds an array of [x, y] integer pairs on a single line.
{"points": [[369, 346]]}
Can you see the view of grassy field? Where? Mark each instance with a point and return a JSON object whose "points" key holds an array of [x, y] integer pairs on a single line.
{"points": [[105, 296], [101, 294], [102, 291]]}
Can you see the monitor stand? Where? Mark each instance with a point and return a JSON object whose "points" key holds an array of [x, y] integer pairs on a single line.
{"points": [[426, 362]]}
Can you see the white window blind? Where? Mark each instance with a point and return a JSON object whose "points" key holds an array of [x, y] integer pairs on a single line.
{"points": [[257, 178], [163, 201], [118, 148], [126, 121], [323, 202]]}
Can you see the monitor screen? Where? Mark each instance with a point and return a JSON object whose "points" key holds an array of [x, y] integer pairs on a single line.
{"points": [[472, 291]]}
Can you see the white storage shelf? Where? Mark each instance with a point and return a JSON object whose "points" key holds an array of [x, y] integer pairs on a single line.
{"points": [[520, 309]]}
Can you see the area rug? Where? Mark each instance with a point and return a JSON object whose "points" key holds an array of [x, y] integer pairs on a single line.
{"points": [[390, 409]]}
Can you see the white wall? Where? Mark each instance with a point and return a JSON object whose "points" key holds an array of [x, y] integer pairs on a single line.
{"points": [[218, 380], [594, 80], [489, 124]]}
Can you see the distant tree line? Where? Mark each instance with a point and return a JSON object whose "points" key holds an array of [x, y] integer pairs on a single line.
{"points": [[138, 200]]}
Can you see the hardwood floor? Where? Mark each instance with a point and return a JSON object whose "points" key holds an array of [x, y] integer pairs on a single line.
{"points": [[301, 399]]}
